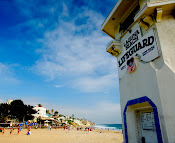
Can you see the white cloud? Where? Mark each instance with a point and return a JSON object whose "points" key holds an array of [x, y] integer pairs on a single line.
{"points": [[2, 101], [78, 52], [58, 86], [7, 75], [4, 69], [103, 112], [101, 84], [33, 100], [65, 10]]}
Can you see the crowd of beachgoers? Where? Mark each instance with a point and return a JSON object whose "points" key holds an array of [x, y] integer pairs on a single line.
{"points": [[29, 127], [53, 134]]}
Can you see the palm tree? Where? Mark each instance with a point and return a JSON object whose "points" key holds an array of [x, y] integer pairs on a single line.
{"points": [[47, 111], [39, 121], [56, 113], [39, 105], [52, 111], [73, 117]]}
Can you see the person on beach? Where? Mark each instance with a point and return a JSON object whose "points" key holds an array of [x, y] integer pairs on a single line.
{"points": [[11, 130], [19, 129], [29, 130], [3, 131]]}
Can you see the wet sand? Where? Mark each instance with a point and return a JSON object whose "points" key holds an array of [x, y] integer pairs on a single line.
{"points": [[61, 136]]}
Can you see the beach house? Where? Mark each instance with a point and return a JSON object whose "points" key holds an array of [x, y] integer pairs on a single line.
{"points": [[144, 44], [41, 112], [78, 121], [9, 101]]}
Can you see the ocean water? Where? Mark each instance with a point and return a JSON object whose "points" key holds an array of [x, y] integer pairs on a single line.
{"points": [[115, 127]]}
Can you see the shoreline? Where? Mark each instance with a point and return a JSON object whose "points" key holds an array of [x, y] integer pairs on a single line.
{"points": [[111, 127]]}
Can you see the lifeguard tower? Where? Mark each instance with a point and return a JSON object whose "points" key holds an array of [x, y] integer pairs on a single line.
{"points": [[144, 44]]}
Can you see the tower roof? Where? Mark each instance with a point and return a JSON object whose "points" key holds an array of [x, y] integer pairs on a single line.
{"points": [[123, 8]]}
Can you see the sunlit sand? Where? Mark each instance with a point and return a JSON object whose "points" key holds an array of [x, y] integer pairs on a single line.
{"points": [[61, 136]]}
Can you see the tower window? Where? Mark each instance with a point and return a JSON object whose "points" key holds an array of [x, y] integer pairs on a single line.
{"points": [[130, 19]]}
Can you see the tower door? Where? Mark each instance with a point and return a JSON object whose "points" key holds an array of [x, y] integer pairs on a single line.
{"points": [[148, 130]]}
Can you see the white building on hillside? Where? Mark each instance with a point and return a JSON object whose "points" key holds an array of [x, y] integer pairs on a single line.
{"points": [[41, 112], [9, 101], [79, 122]]}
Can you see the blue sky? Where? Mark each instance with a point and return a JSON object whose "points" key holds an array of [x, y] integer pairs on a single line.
{"points": [[53, 52]]}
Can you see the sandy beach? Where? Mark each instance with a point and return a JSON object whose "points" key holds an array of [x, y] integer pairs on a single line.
{"points": [[61, 136]]}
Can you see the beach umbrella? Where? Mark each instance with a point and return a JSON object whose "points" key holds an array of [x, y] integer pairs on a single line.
{"points": [[28, 121]]}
